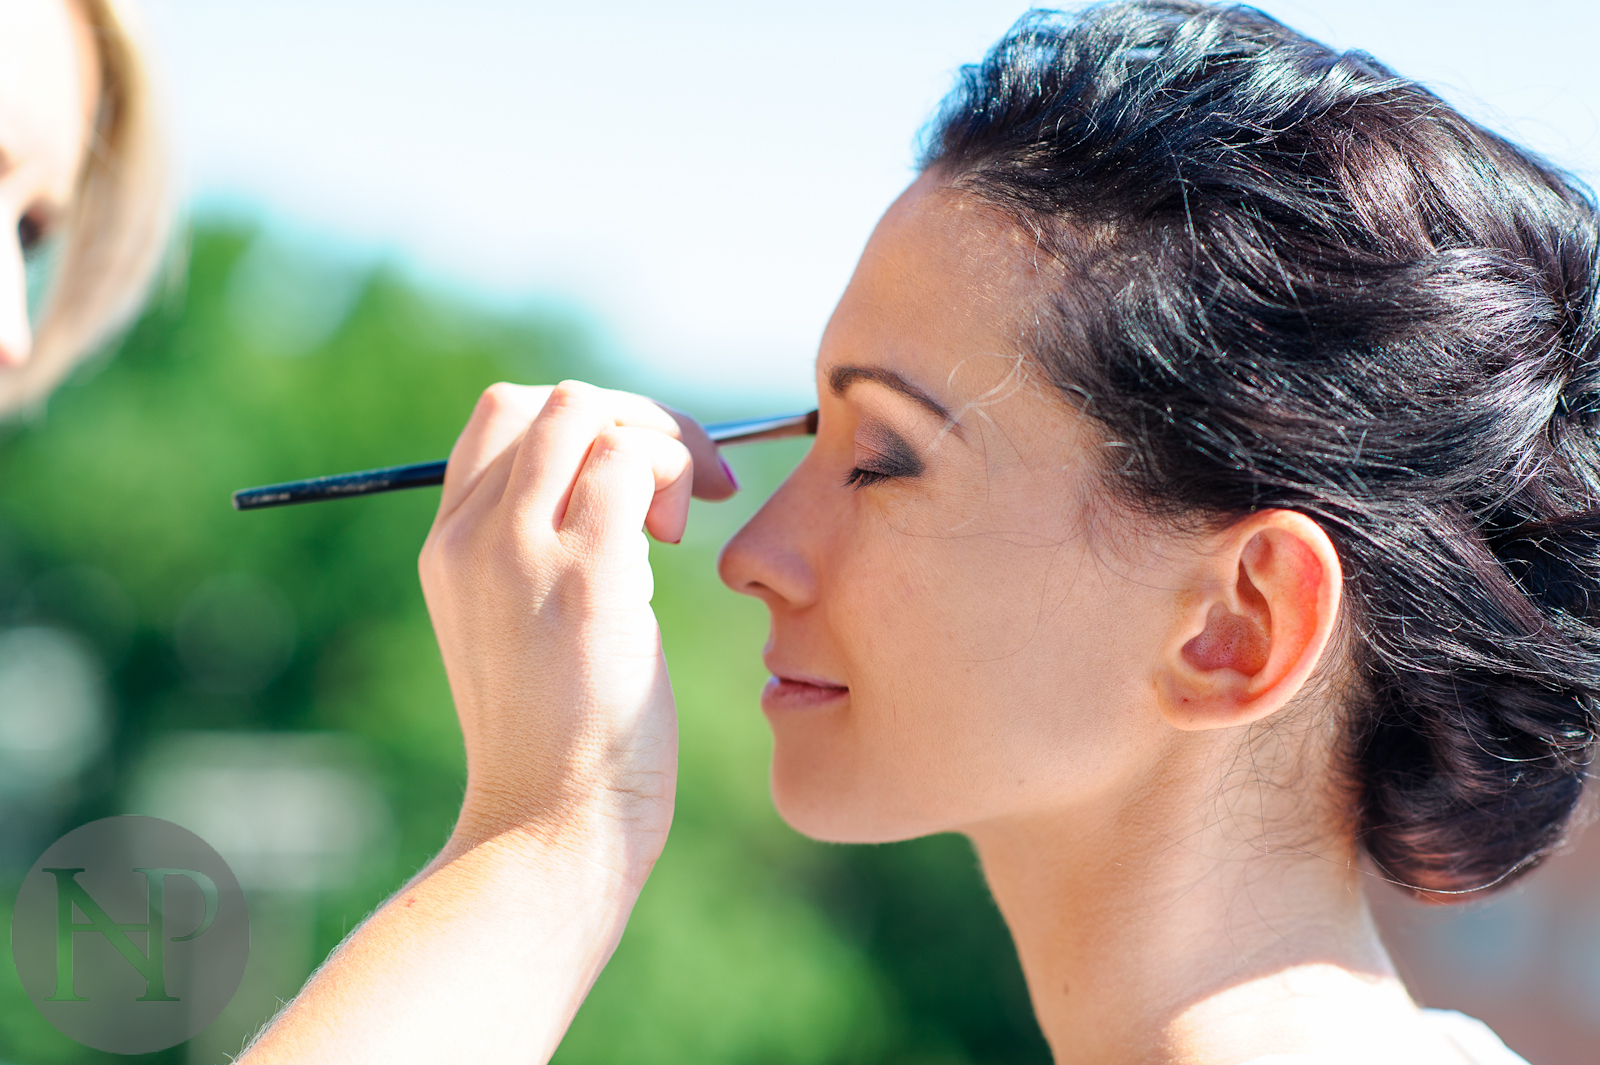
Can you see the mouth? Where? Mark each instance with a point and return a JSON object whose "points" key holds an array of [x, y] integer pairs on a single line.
{"points": [[800, 693]]}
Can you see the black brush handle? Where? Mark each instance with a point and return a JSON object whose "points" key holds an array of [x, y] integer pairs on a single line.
{"points": [[388, 479], [422, 474]]}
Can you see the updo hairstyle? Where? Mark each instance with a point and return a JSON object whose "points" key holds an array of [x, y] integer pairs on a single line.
{"points": [[1298, 281]]}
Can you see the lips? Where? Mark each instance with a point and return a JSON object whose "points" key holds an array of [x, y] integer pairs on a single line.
{"points": [[800, 693]]}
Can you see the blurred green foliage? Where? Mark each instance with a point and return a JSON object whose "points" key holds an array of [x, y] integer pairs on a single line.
{"points": [[750, 943]]}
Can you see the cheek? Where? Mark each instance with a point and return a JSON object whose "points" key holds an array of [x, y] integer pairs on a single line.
{"points": [[995, 665], [983, 670], [930, 610]]}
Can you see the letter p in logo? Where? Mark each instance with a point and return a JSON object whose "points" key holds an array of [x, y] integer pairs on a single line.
{"points": [[130, 934], [147, 963]]}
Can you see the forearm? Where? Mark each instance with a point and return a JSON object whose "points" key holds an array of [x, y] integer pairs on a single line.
{"points": [[538, 583], [485, 957]]}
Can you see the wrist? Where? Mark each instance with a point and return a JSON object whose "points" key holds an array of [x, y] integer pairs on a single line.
{"points": [[593, 843]]}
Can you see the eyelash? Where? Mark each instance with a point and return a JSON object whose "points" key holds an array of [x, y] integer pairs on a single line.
{"points": [[899, 462], [860, 478]]}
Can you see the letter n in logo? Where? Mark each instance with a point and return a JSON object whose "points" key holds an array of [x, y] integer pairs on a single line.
{"points": [[150, 963]]}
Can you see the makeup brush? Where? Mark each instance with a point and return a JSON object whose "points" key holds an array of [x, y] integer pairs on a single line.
{"points": [[421, 474]]}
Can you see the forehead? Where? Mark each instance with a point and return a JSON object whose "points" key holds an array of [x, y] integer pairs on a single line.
{"points": [[948, 287], [48, 82]]}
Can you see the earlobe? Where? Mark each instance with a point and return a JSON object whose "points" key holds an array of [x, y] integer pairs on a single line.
{"points": [[1253, 624]]}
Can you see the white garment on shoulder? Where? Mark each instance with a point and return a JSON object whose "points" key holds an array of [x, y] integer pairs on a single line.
{"points": [[1476, 1041]]}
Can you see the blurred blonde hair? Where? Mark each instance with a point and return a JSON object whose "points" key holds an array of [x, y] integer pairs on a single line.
{"points": [[115, 233]]}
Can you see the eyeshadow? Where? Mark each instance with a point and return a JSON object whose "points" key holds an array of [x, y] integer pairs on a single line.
{"points": [[891, 455]]}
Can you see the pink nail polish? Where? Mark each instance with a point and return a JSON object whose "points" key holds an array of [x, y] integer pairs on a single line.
{"points": [[728, 470]]}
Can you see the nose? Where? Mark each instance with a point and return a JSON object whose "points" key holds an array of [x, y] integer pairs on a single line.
{"points": [[771, 558], [16, 339]]}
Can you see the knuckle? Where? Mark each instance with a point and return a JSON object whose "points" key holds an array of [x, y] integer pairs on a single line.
{"points": [[504, 399], [497, 397], [571, 394], [612, 438], [614, 443]]}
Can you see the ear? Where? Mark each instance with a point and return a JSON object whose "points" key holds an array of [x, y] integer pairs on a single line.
{"points": [[1252, 623]]}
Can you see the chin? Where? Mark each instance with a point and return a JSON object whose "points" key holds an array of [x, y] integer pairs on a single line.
{"points": [[838, 805]]}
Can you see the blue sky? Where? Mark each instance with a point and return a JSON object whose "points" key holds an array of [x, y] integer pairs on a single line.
{"points": [[696, 178]]}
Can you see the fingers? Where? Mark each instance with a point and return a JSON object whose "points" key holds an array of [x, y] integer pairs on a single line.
{"points": [[498, 421], [631, 477], [713, 480], [556, 443], [534, 442]]}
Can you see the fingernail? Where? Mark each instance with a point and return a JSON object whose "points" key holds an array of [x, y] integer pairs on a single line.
{"points": [[728, 471]]}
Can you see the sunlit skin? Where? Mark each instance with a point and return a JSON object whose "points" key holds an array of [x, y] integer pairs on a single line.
{"points": [[49, 87], [1134, 725], [951, 603], [985, 633]]}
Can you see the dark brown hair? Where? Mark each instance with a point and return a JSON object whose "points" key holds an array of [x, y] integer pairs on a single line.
{"points": [[1299, 281]]}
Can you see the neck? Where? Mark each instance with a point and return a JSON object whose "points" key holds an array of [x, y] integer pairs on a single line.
{"points": [[1173, 929]]}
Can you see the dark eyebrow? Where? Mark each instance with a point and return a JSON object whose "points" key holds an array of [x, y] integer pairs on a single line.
{"points": [[840, 378]]}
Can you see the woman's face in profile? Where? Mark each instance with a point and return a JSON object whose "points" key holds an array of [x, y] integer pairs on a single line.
{"points": [[962, 625], [49, 85]]}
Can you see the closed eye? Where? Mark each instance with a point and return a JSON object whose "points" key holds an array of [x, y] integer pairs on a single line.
{"points": [[860, 477], [884, 455]]}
